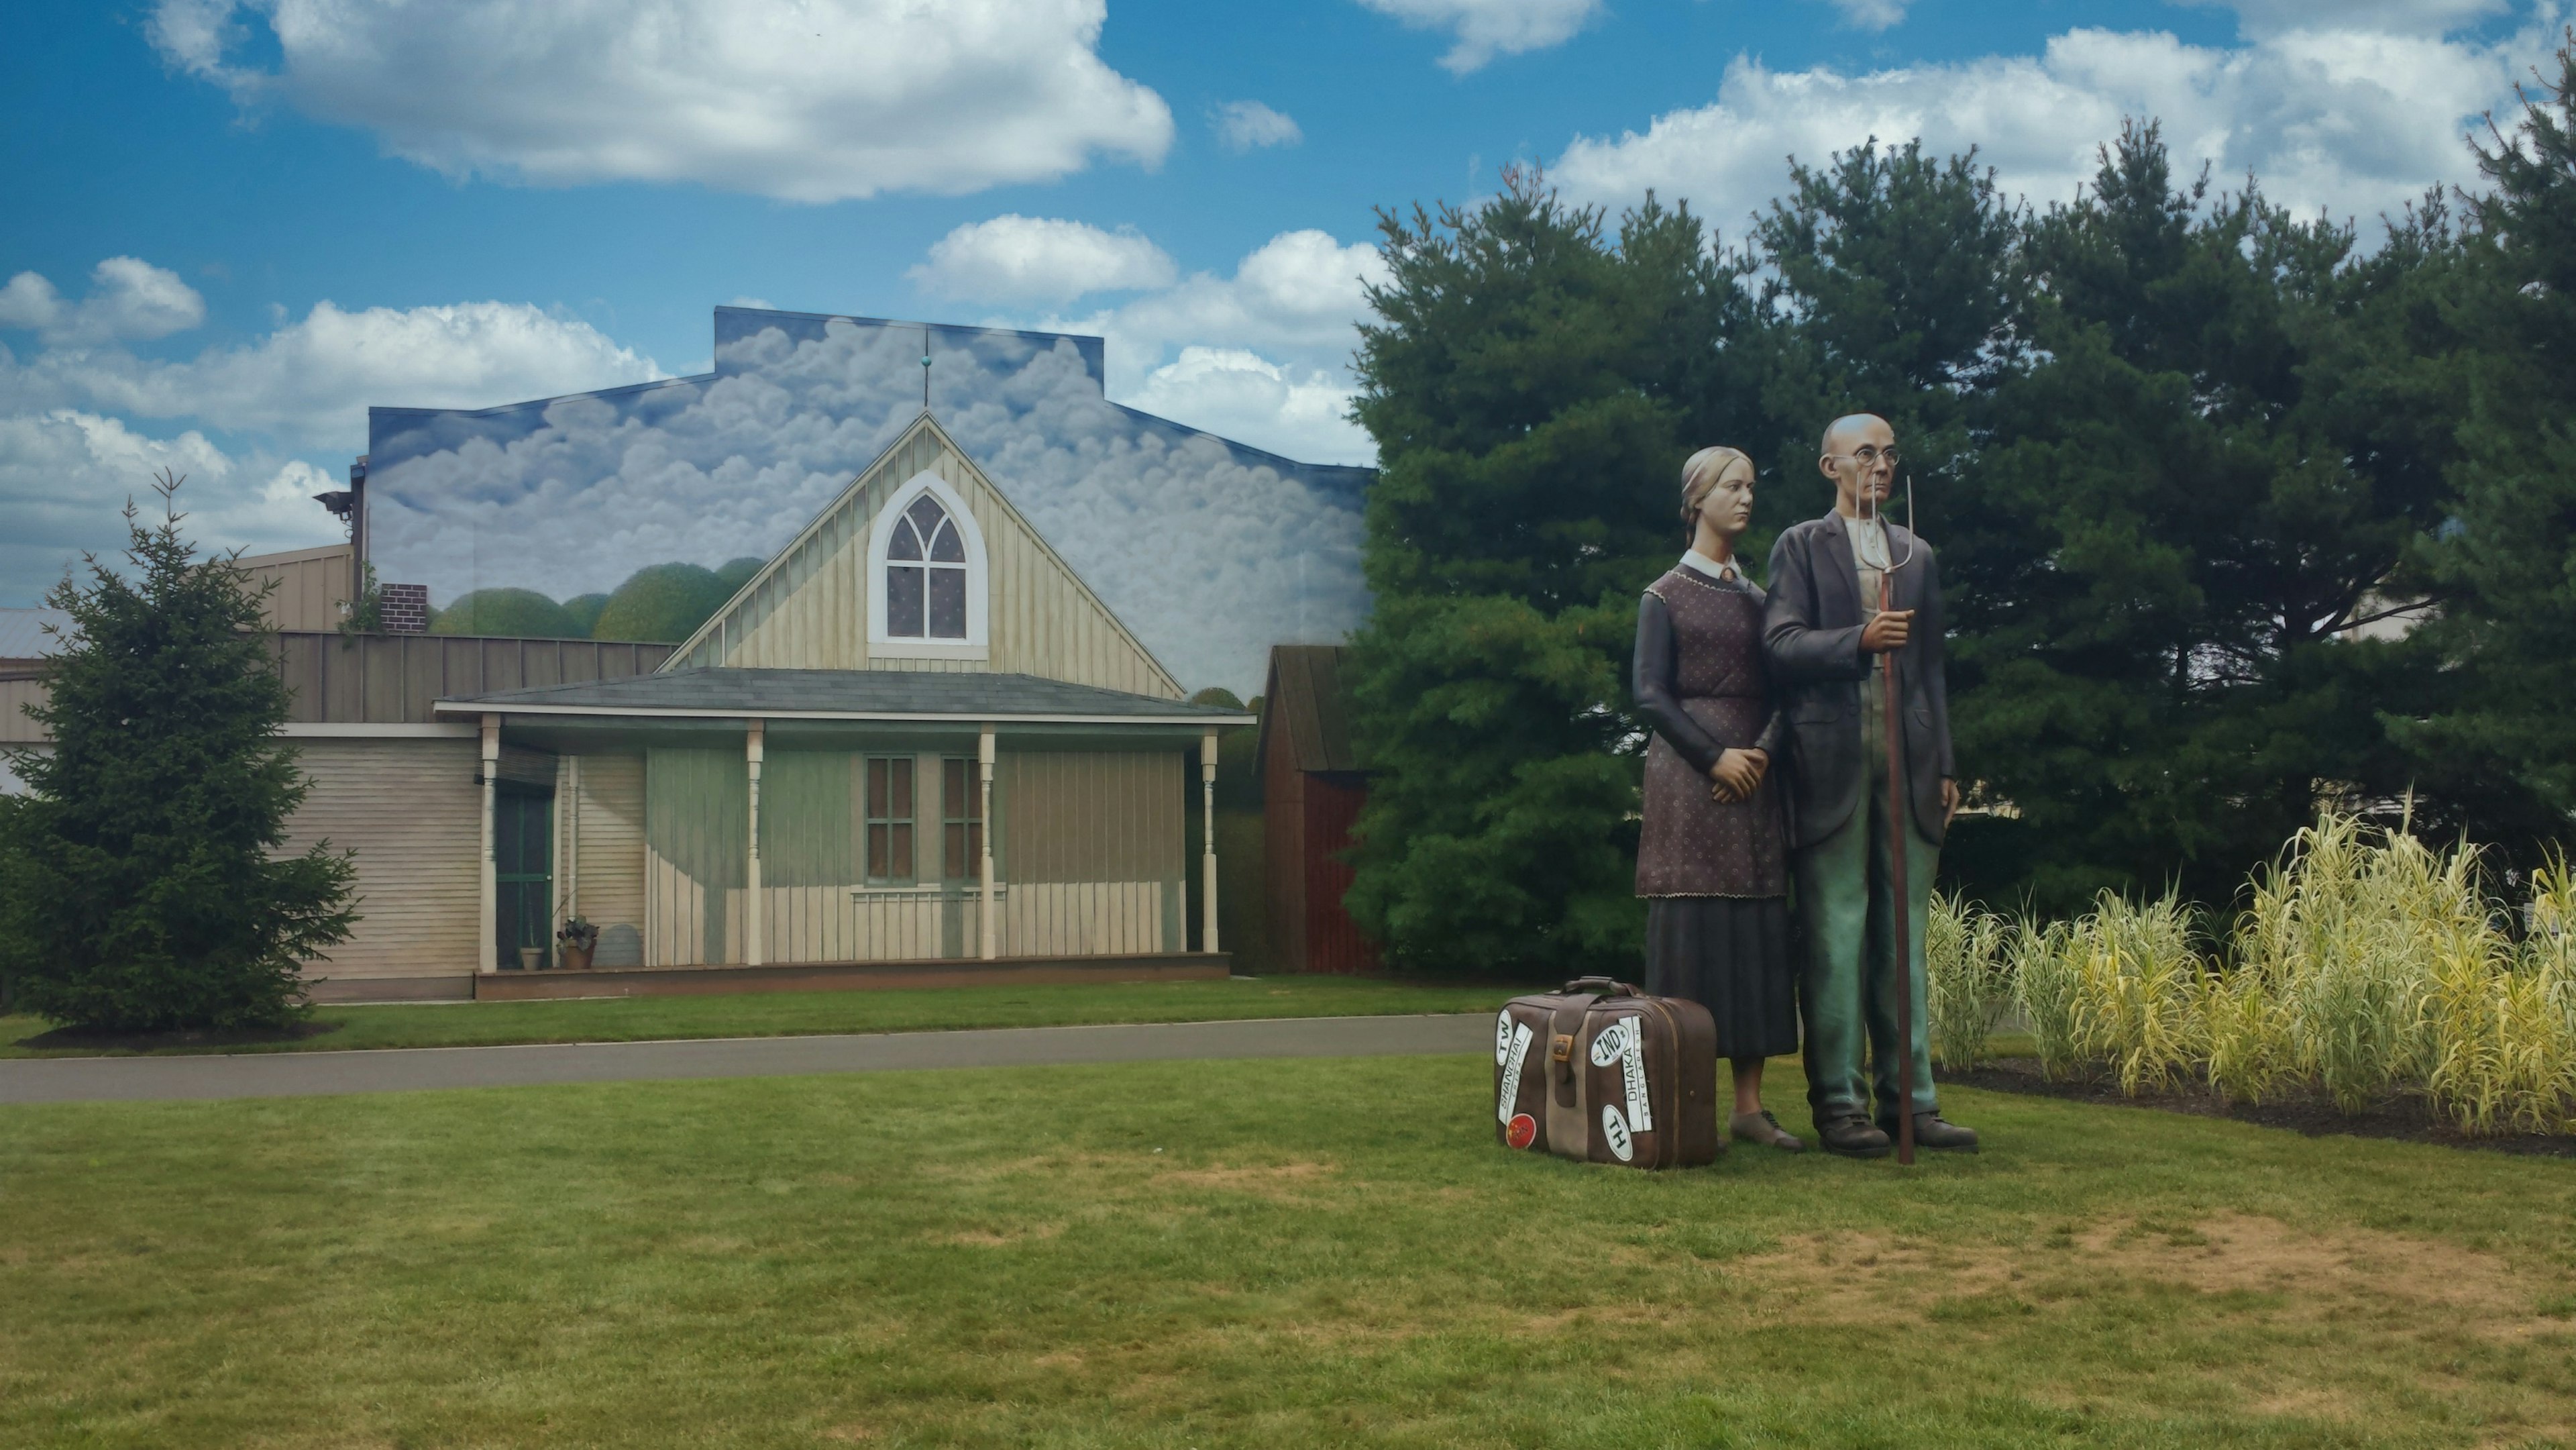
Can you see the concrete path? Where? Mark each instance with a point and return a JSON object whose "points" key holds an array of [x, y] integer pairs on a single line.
{"points": [[301, 1074]]}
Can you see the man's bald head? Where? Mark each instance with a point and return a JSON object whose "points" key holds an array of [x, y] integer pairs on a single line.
{"points": [[1859, 455], [1852, 430]]}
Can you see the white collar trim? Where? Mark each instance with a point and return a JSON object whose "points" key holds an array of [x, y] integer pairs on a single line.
{"points": [[1694, 560]]}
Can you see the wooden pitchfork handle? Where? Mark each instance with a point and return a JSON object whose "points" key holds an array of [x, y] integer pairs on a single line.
{"points": [[1904, 913]]}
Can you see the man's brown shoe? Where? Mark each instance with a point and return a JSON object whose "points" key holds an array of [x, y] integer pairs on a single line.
{"points": [[1764, 1129], [1852, 1137], [1931, 1130]]}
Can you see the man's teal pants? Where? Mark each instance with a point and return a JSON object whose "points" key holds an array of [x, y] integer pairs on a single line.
{"points": [[1847, 979]]}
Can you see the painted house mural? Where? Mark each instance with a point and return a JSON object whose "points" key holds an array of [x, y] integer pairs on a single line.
{"points": [[1209, 551]]}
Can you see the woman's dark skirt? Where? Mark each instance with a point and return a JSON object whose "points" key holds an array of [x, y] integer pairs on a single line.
{"points": [[1730, 954]]}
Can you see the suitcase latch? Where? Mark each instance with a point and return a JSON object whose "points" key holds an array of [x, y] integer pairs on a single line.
{"points": [[1560, 1048]]}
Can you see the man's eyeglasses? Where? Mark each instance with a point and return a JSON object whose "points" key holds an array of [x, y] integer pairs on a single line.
{"points": [[1869, 457]]}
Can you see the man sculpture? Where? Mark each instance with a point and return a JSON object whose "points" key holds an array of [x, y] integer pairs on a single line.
{"points": [[1827, 642]]}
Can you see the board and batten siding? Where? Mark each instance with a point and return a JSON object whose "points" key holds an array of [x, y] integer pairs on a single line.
{"points": [[599, 852], [312, 586], [809, 609], [16, 726], [1090, 849], [411, 812]]}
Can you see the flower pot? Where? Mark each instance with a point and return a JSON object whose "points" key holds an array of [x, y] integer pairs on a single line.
{"points": [[532, 959], [575, 957]]}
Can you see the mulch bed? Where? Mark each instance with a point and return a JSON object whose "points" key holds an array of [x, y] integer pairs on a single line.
{"points": [[151, 1041], [2307, 1111]]}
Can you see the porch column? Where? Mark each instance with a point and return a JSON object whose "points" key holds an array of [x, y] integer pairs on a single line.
{"points": [[572, 844], [1207, 804], [984, 813], [487, 957], [752, 914]]}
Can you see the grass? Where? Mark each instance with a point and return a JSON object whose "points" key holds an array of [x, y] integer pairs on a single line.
{"points": [[777, 1014], [1256, 1254]]}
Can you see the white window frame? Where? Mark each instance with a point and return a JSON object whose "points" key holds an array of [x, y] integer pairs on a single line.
{"points": [[975, 647]]}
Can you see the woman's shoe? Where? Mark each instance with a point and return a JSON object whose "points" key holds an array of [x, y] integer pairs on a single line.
{"points": [[1764, 1129]]}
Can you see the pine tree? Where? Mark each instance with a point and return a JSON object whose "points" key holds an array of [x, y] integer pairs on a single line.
{"points": [[139, 874], [2503, 568], [1533, 384], [2225, 435]]}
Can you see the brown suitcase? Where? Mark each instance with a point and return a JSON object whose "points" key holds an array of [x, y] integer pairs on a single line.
{"points": [[1599, 1072]]}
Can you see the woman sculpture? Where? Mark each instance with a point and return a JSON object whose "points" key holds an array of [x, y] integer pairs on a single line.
{"points": [[1713, 861]]}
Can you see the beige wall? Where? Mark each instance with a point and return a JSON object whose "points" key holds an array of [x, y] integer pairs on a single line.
{"points": [[810, 612], [599, 851], [312, 585], [1091, 850], [410, 810]]}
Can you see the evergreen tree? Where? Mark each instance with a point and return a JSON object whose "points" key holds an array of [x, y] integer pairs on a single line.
{"points": [[2503, 569], [139, 875], [2222, 444], [1532, 384]]}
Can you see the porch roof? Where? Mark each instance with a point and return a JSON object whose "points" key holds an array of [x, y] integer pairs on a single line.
{"points": [[928, 697]]}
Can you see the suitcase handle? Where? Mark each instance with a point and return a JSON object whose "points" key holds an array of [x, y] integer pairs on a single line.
{"points": [[1602, 986]]}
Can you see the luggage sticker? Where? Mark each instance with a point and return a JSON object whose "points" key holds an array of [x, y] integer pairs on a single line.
{"points": [[1515, 1056], [1615, 1129], [1623, 1042], [1521, 1131], [1502, 1036]]}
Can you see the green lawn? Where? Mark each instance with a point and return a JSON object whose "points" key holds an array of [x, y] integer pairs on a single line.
{"points": [[771, 1014], [1257, 1254]]}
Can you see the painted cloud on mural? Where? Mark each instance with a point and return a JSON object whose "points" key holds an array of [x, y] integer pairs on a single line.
{"points": [[1209, 550]]}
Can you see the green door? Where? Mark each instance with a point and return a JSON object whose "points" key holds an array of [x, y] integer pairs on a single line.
{"points": [[523, 870]]}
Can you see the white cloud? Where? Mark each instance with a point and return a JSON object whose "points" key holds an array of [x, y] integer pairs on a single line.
{"points": [[805, 100], [1243, 125], [2404, 17], [1246, 397], [1489, 28], [1262, 357], [65, 474], [1871, 14], [128, 298], [2352, 121], [1299, 295], [1039, 259], [312, 381]]}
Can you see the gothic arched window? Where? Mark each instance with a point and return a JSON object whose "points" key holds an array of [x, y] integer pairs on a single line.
{"points": [[925, 575]]}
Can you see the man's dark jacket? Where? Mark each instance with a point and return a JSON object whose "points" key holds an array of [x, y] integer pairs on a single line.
{"points": [[1811, 640]]}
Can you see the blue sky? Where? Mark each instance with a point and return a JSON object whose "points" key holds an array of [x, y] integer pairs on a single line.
{"points": [[230, 228]]}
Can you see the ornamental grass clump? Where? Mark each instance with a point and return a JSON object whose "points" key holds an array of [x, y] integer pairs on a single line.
{"points": [[1967, 979], [2044, 986], [2137, 972], [2365, 964]]}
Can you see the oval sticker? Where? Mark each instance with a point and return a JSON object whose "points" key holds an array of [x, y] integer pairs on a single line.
{"points": [[1612, 1041], [1521, 1131], [1614, 1128]]}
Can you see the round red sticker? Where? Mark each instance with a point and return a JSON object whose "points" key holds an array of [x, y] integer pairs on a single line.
{"points": [[1521, 1131]]}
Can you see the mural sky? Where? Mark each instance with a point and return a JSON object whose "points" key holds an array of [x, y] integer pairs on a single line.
{"points": [[1209, 550]]}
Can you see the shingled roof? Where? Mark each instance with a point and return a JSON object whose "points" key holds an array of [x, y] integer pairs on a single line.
{"points": [[1304, 702], [724, 692]]}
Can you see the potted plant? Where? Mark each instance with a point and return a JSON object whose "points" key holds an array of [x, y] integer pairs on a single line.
{"points": [[574, 944]]}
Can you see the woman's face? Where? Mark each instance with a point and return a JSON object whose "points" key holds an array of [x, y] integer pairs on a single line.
{"points": [[1728, 509]]}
